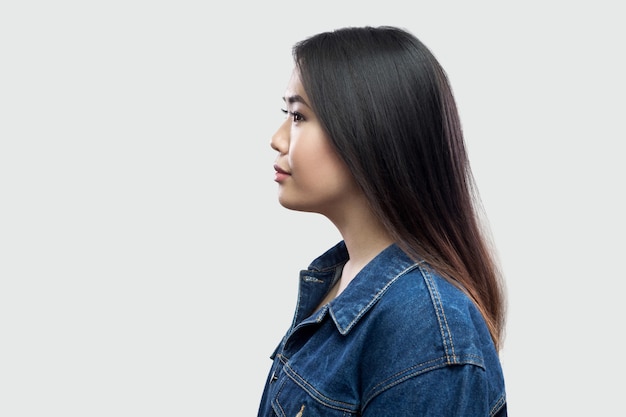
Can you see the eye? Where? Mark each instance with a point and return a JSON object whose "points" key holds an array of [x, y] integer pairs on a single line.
{"points": [[295, 116]]}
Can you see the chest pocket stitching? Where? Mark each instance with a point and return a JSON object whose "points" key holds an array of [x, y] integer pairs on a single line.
{"points": [[318, 396], [278, 408]]}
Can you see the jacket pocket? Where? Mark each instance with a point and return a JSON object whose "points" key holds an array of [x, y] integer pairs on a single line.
{"points": [[298, 399]]}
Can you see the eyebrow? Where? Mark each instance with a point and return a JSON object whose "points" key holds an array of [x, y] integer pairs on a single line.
{"points": [[296, 98]]}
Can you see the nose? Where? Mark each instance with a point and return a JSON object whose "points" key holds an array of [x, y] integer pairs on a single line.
{"points": [[280, 139]]}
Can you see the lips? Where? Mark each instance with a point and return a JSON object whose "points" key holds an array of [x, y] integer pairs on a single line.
{"points": [[281, 174], [279, 170]]}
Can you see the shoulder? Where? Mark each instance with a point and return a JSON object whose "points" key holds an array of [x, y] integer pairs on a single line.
{"points": [[425, 333], [431, 317]]}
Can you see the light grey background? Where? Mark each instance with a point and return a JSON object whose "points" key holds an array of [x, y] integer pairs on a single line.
{"points": [[146, 268]]}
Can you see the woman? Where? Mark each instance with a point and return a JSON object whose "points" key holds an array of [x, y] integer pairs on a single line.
{"points": [[405, 315]]}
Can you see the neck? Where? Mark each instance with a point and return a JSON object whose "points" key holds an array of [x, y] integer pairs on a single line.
{"points": [[365, 237]]}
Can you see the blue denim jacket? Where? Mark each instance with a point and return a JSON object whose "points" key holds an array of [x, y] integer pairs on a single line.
{"points": [[398, 341]]}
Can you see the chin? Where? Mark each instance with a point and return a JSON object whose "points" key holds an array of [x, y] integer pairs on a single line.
{"points": [[290, 205], [295, 205]]}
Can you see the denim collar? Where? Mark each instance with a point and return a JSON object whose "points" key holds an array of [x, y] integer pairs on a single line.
{"points": [[367, 287]]}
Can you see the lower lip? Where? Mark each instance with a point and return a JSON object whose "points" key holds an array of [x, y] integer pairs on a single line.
{"points": [[280, 176]]}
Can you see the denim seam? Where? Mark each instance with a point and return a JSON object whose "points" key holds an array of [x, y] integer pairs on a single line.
{"points": [[316, 395], [417, 370], [444, 329], [497, 406]]}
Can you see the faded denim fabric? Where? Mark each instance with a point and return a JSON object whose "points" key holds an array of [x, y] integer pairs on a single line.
{"points": [[398, 341]]}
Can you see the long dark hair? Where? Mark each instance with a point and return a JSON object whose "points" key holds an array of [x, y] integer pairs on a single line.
{"points": [[387, 105]]}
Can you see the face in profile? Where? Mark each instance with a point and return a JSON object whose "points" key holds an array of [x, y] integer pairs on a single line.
{"points": [[310, 174]]}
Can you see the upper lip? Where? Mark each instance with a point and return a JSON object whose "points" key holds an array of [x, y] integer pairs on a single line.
{"points": [[280, 170]]}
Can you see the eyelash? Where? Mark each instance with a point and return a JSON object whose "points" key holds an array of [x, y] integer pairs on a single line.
{"points": [[296, 117]]}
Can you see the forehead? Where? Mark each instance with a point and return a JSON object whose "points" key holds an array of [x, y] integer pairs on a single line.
{"points": [[294, 85]]}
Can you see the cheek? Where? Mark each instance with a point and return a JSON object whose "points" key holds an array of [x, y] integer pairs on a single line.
{"points": [[314, 154]]}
